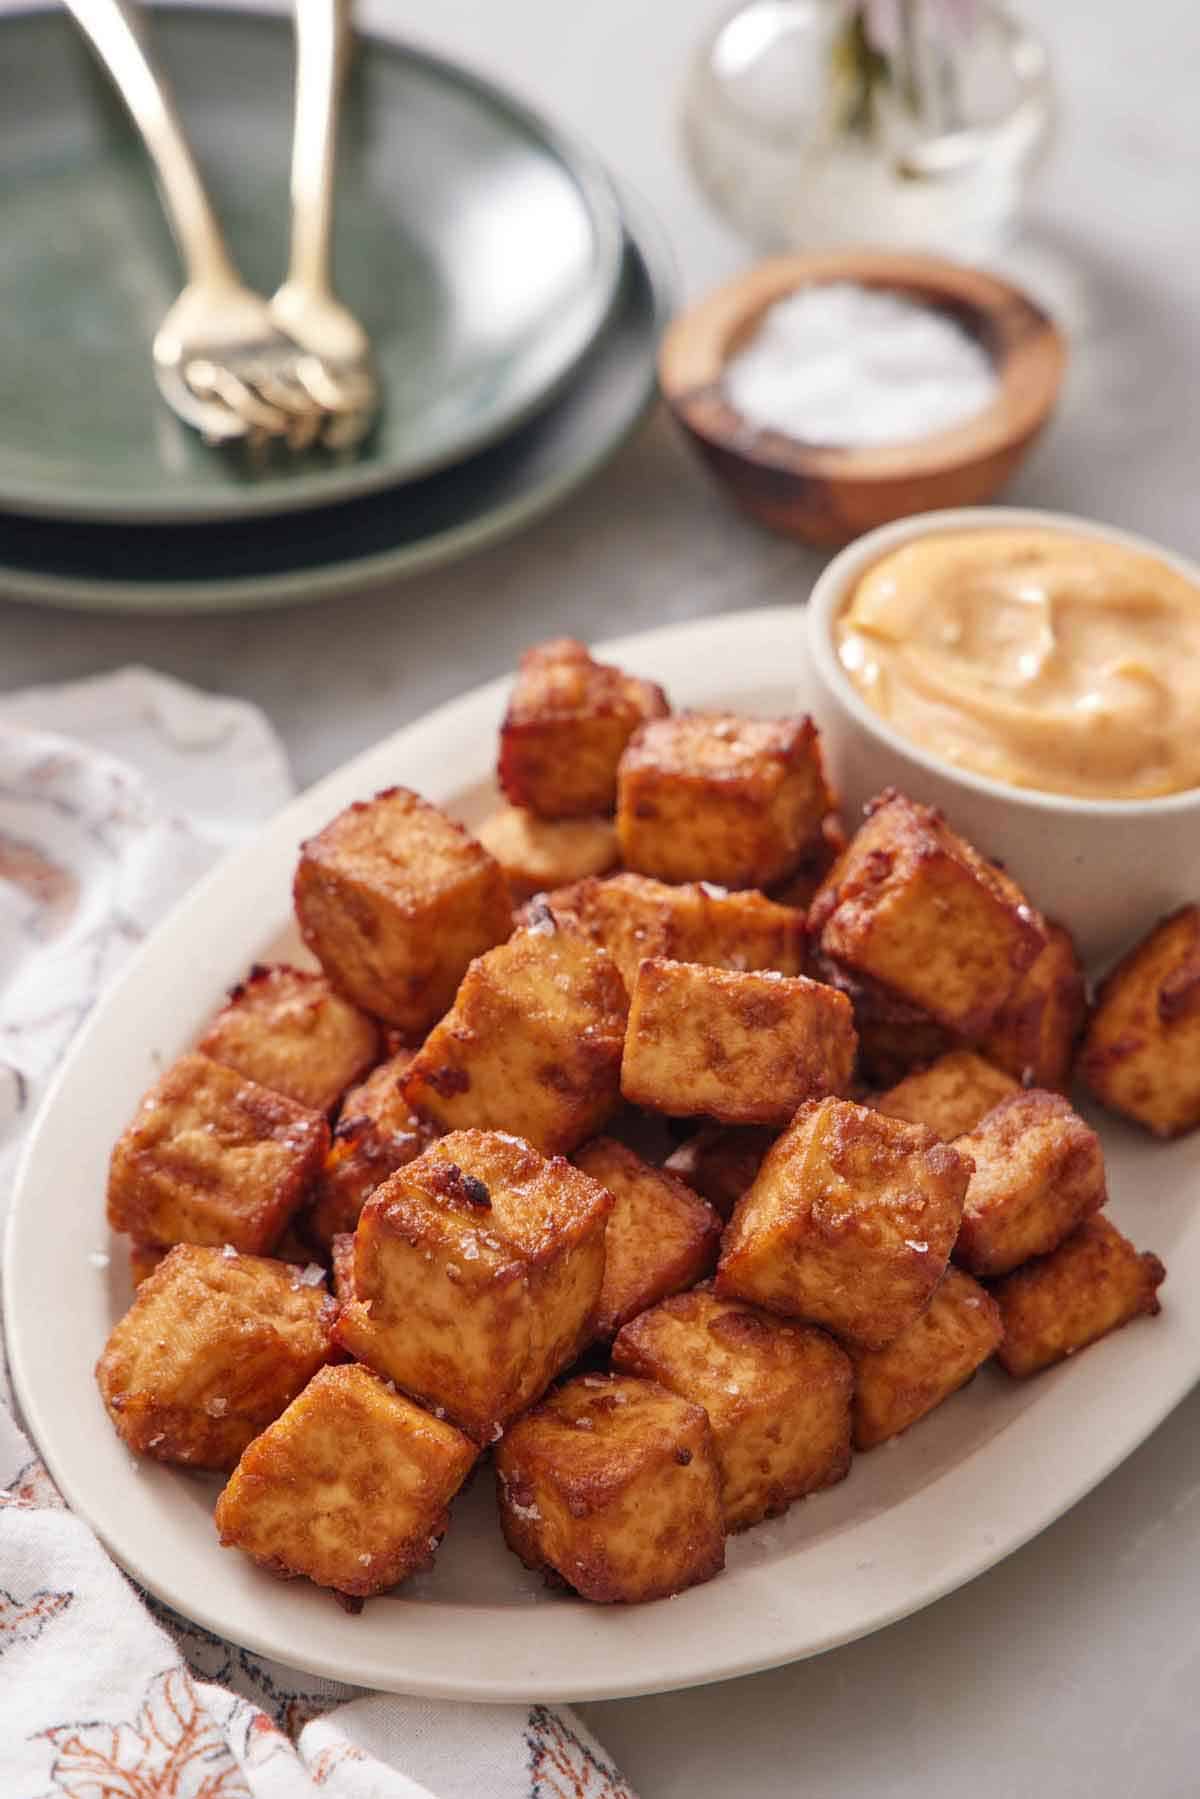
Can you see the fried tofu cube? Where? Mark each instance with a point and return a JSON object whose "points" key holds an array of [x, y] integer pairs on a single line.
{"points": [[1039, 1171], [1093, 1283], [1034, 1033], [212, 1157], [611, 1486], [709, 796], [935, 1356], [894, 1037], [849, 1224], [913, 906], [568, 720], [541, 853], [634, 917], [661, 1237], [741, 1048], [394, 900], [350, 1487], [531, 1045], [777, 1395], [721, 1161], [1141, 1053], [212, 1349], [288, 1030], [950, 1096], [477, 1276], [377, 1132]]}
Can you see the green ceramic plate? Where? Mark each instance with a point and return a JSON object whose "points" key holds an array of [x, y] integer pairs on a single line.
{"points": [[482, 252], [327, 550]]}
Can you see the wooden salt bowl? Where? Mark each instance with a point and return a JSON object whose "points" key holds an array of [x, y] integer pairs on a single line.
{"points": [[827, 495]]}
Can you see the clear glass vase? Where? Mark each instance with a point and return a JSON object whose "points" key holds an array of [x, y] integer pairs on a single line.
{"points": [[915, 123]]}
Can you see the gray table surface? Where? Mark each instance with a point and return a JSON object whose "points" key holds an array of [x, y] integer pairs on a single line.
{"points": [[1074, 1668]]}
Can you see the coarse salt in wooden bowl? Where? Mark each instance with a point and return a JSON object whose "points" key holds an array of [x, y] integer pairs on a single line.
{"points": [[827, 494]]}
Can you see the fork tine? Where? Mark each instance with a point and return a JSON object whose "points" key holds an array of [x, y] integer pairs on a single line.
{"points": [[210, 380]]}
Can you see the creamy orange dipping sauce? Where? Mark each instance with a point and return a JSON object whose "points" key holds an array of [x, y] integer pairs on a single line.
{"points": [[1035, 657]]}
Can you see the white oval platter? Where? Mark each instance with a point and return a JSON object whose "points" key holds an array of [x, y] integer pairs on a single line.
{"points": [[996, 1464]]}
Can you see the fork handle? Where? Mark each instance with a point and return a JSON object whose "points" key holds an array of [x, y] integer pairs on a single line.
{"points": [[114, 29], [322, 53]]}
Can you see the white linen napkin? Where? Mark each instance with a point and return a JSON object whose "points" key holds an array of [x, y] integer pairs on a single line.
{"points": [[115, 794]]}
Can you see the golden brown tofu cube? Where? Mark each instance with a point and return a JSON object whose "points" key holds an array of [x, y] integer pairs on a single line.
{"points": [[634, 917], [950, 1096], [777, 1395], [531, 1045], [1091, 1284], [349, 1487], [477, 1276], [850, 1223], [377, 1132], [212, 1157], [1039, 1171], [611, 1486], [539, 853], [709, 796], [567, 723], [1034, 1033], [741, 1048], [894, 1037], [661, 1238], [213, 1348], [912, 906], [720, 1162], [1141, 1053], [937, 1354], [394, 900], [288, 1030]]}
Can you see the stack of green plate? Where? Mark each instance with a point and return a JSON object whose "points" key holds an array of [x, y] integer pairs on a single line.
{"points": [[515, 319]]}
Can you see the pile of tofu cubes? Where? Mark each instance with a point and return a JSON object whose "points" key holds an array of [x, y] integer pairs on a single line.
{"points": [[398, 1214]]}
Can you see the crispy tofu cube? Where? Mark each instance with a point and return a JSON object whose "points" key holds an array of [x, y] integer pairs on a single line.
{"points": [[212, 1349], [477, 1276], [611, 1486], [709, 796], [394, 900], [1039, 1171], [1034, 1033], [912, 906], [661, 1237], [720, 1161], [741, 1048], [531, 1045], [634, 917], [777, 1395], [567, 723], [894, 1037], [1093, 1283], [144, 1258], [849, 1224], [540, 853], [935, 1356], [212, 1157], [288, 1030], [349, 1487], [950, 1096], [377, 1132], [1141, 1053]]}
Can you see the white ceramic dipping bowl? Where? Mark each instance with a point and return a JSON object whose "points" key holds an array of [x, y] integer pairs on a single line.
{"points": [[1107, 868]]}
